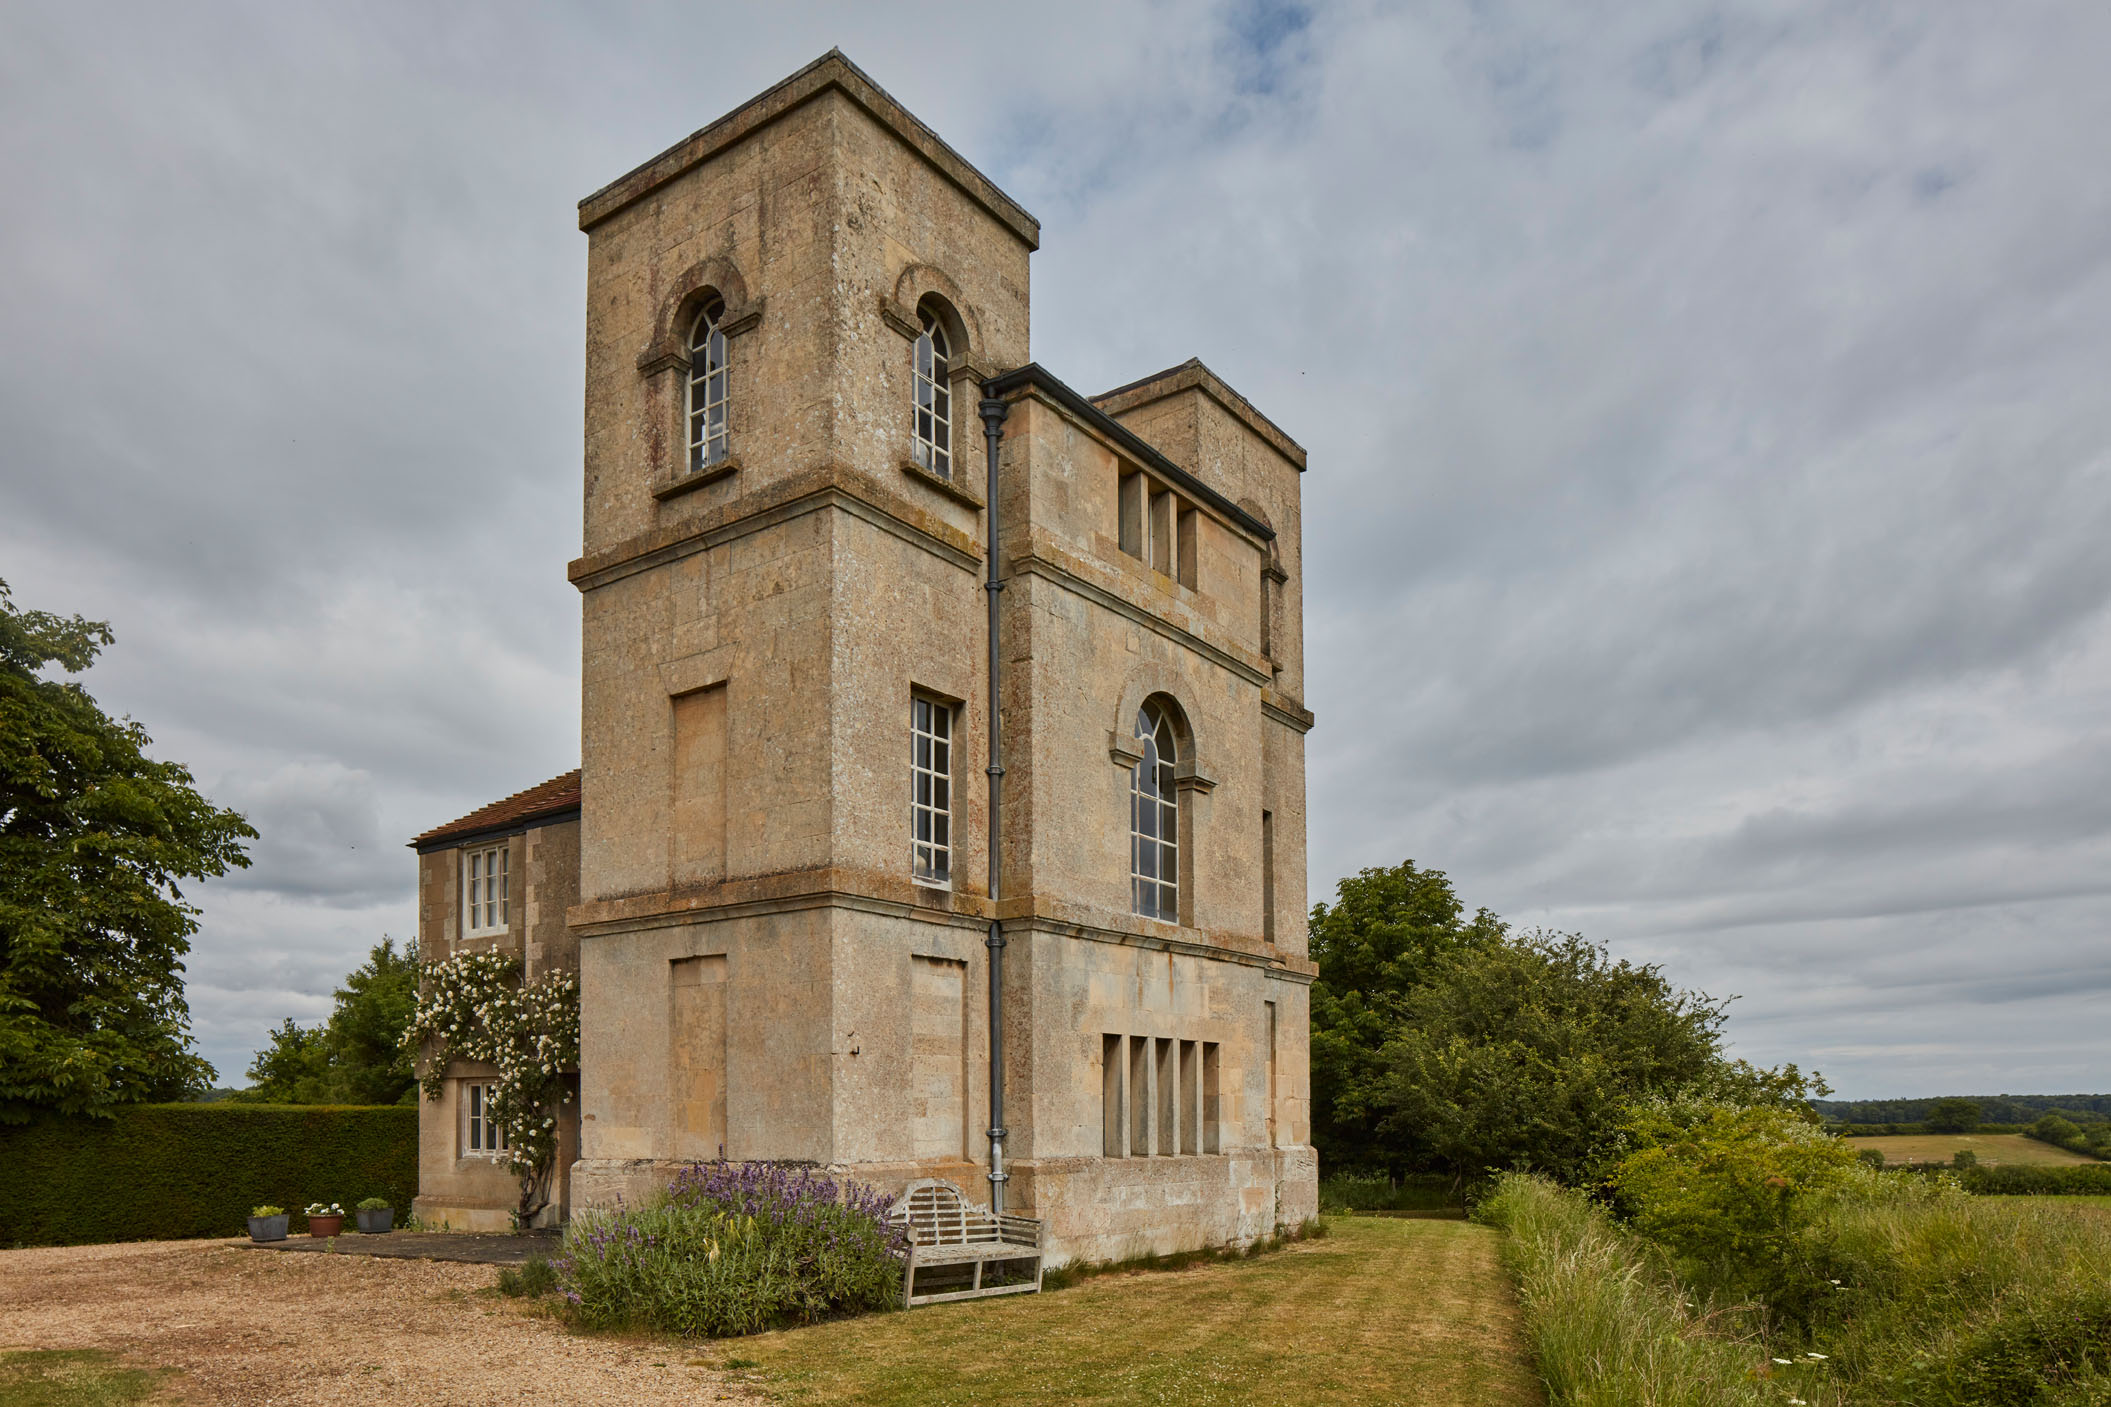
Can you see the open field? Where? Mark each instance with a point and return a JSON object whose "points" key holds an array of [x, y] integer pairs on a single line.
{"points": [[210, 1322], [1993, 1148], [1383, 1310]]}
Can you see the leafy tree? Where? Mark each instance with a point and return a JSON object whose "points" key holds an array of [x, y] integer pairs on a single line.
{"points": [[1373, 946], [1524, 1054], [357, 1057], [94, 837], [1953, 1116]]}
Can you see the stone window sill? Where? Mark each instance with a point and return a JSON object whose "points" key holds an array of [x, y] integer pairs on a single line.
{"points": [[959, 493], [710, 474]]}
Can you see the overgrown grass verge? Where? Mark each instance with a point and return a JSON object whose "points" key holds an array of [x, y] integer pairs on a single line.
{"points": [[1608, 1322], [1926, 1297], [1077, 1272], [71, 1378]]}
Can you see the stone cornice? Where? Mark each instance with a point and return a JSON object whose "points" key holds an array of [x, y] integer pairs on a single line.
{"points": [[1286, 711], [865, 892], [832, 72], [830, 485]]}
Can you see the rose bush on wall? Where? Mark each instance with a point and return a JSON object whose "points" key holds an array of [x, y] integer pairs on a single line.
{"points": [[475, 1006]]}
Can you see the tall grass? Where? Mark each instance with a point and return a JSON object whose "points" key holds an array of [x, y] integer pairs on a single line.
{"points": [[1940, 1299], [1956, 1301], [1609, 1324]]}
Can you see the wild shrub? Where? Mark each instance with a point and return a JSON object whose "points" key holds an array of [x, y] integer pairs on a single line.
{"points": [[733, 1248], [1736, 1196]]}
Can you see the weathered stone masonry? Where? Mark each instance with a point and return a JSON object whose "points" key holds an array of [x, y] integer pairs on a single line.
{"points": [[761, 970]]}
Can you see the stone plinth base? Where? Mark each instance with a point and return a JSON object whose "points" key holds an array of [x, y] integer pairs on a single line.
{"points": [[454, 1214], [1092, 1208]]}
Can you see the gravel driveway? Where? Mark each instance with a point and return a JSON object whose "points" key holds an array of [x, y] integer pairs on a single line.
{"points": [[249, 1327]]}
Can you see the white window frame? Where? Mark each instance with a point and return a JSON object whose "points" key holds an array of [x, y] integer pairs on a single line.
{"points": [[707, 399], [1154, 853], [932, 409], [482, 1137], [486, 889], [931, 738]]}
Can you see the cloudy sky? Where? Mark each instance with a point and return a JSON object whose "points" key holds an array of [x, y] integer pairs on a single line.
{"points": [[1709, 517]]}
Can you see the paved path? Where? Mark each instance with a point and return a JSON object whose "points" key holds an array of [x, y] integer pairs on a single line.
{"points": [[470, 1248]]}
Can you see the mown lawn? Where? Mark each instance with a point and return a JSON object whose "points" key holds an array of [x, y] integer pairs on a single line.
{"points": [[70, 1378], [1992, 1148], [1382, 1310]]}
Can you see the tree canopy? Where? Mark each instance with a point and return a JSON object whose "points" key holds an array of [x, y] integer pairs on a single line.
{"points": [[1374, 945], [357, 1056], [1443, 1043], [95, 837]]}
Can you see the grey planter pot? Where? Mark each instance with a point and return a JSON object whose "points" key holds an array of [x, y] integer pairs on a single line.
{"points": [[268, 1228], [375, 1222]]}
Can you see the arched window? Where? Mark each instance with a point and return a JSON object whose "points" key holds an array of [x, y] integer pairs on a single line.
{"points": [[934, 397], [1154, 818], [707, 387]]}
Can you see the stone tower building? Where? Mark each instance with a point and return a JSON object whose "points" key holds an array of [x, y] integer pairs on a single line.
{"points": [[782, 886]]}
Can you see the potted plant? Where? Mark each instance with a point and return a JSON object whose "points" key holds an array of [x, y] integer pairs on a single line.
{"points": [[267, 1223], [375, 1215], [325, 1219]]}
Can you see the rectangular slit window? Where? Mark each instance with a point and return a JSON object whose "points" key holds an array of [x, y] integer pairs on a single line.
{"points": [[1113, 1134], [1190, 1098], [1168, 1100], [1164, 531], [1188, 547], [1139, 1096], [1268, 875], [1271, 1072], [1210, 1140], [1134, 494]]}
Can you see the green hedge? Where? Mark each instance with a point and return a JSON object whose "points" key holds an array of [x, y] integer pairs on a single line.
{"points": [[161, 1171], [2073, 1179]]}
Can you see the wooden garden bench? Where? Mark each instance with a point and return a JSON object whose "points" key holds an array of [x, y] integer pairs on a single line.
{"points": [[945, 1228]]}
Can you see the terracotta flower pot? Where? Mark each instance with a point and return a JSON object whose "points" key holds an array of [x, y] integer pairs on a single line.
{"points": [[375, 1222], [326, 1225], [268, 1228]]}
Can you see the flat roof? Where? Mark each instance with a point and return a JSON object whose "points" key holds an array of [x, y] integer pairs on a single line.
{"points": [[831, 72]]}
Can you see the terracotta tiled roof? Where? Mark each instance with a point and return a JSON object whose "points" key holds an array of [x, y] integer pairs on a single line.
{"points": [[553, 798]]}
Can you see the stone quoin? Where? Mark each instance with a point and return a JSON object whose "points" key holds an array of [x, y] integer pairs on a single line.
{"points": [[771, 870]]}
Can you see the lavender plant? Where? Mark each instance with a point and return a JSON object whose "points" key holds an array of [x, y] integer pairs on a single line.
{"points": [[734, 1248]]}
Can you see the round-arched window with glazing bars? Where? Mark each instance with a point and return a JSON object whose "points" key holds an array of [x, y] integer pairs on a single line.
{"points": [[707, 387], [1154, 818], [933, 442]]}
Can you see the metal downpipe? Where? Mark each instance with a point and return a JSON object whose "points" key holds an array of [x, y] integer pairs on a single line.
{"points": [[994, 411]]}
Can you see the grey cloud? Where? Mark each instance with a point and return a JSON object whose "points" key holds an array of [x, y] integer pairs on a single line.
{"points": [[1709, 458]]}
